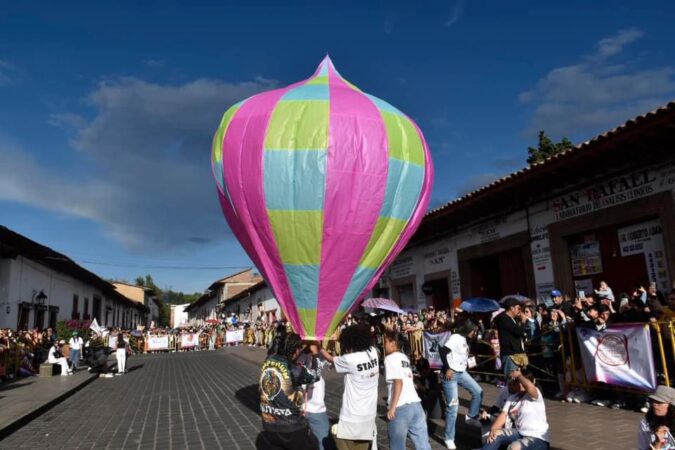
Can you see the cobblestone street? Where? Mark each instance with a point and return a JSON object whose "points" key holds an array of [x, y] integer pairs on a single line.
{"points": [[209, 400]]}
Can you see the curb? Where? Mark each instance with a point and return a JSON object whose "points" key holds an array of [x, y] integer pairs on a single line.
{"points": [[23, 420]]}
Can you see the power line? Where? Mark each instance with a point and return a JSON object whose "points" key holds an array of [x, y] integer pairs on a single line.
{"points": [[153, 266]]}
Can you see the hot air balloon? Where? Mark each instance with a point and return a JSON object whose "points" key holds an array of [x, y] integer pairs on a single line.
{"points": [[323, 185]]}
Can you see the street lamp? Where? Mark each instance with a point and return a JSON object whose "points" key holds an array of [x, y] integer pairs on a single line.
{"points": [[41, 297]]}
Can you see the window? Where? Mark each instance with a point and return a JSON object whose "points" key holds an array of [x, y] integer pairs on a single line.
{"points": [[76, 308], [53, 315], [96, 309], [86, 309]]}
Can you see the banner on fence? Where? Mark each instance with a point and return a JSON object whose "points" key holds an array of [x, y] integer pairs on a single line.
{"points": [[189, 340], [158, 342], [432, 343], [234, 336], [621, 355]]}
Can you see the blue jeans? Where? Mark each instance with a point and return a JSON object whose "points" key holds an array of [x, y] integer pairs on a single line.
{"points": [[74, 358], [450, 389], [508, 366], [320, 426], [409, 421], [510, 436]]}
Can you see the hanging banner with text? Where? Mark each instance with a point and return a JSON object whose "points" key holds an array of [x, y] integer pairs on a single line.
{"points": [[234, 336], [189, 340], [158, 342], [432, 343], [621, 355]]}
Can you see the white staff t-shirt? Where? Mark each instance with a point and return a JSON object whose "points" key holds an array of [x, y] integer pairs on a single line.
{"points": [[528, 415], [397, 367], [362, 370]]}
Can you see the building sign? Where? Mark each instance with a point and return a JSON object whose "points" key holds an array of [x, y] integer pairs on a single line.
{"points": [[540, 248], [488, 231], [437, 260], [634, 239], [647, 239], [402, 267], [454, 284], [613, 192], [586, 259]]}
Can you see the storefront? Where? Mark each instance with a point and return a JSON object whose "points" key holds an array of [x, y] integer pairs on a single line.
{"points": [[603, 210]]}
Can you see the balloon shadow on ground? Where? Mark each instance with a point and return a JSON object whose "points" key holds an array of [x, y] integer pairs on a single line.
{"points": [[132, 368], [249, 397]]}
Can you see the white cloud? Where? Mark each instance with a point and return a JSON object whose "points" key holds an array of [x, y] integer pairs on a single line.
{"points": [[147, 148], [154, 63], [597, 94], [614, 44], [389, 22], [7, 70], [455, 14]]}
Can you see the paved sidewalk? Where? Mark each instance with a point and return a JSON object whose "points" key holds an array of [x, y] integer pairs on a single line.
{"points": [[26, 398]]}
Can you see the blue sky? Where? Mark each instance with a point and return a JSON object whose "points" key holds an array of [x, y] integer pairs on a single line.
{"points": [[107, 109]]}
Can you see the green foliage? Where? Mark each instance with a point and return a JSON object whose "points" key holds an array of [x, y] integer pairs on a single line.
{"points": [[167, 297], [546, 148], [65, 328]]}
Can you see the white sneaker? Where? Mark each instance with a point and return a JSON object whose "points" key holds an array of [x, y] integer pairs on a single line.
{"points": [[450, 444]]}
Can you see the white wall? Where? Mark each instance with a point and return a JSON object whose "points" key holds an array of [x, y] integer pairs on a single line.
{"points": [[21, 279], [180, 317], [264, 297], [203, 312]]}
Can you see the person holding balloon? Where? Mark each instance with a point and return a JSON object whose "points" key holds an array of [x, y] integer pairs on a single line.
{"points": [[285, 426], [356, 429], [315, 405]]}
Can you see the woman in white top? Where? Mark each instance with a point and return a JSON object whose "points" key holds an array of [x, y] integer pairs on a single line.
{"points": [[356, 427], [55, 357], [121, 354], [658, 425]]}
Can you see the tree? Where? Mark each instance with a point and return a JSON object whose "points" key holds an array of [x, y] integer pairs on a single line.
{"points": [[148, 282], [546, 148]]}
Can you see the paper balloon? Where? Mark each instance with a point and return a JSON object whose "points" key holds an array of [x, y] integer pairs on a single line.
{"points": [[323, 185]]}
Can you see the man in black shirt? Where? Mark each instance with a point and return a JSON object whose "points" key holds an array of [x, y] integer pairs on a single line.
{"points": [[281, 398], [510, 326]]}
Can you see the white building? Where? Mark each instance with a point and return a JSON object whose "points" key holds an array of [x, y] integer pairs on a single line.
{"points": [[203, 309], [178, 315], [257, 301], [40, 287], [603, 210]]}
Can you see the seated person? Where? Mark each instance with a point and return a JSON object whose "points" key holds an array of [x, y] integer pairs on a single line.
{"points": [[527, 412], [55, 357]]}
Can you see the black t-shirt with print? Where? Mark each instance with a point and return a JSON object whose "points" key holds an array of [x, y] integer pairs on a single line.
{"points": [[281, 398]]}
